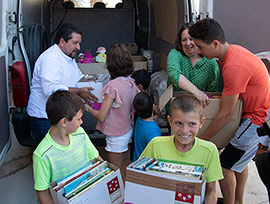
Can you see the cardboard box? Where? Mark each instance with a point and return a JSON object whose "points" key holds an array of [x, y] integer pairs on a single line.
{"points": [[96, 81], [100, 193], [140, 62], [131, 47], [93, 68], [147, 187], [222, 138]]}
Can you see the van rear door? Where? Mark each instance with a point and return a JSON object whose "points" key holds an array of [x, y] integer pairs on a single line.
{"points": [[4, 107]]}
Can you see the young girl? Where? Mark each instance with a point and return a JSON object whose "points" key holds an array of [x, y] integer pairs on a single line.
{"points": [[116, 113]]}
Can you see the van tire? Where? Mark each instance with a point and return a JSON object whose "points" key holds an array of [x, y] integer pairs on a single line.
{"points": [[35, 41]]}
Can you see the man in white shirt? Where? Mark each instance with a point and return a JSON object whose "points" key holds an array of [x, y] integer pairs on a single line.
{"points": [[55, 69]]}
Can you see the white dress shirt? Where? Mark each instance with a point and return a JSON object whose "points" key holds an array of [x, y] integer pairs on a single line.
{"points": [[53, 71]]}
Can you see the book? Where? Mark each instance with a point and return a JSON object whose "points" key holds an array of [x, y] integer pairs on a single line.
{"points": [[89, 182], [81, 191], [142, 163], [178, 169], [66, 180]]}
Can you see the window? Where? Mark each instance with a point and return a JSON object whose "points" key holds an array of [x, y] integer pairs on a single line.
{"points": [[90, 3]]}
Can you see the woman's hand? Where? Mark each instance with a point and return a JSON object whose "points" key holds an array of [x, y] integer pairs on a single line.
{"points": [[202, 97], [186, 85]]}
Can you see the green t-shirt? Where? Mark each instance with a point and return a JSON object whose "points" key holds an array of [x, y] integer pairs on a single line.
{"points": [[52, 161], [203, 152], [204, 75]]}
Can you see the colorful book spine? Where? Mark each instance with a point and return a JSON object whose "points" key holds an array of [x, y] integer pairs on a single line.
{"points": [[88, 183], [142, 163], [72, 178], [179, 168]]}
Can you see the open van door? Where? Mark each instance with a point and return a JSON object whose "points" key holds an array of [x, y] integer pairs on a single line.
{"points": [[4, 105]]}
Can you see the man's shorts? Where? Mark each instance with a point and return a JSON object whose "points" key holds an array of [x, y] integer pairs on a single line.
{"points": [[242, 147]]}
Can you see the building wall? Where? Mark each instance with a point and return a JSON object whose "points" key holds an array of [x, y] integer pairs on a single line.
{"points": [[245, 22]]}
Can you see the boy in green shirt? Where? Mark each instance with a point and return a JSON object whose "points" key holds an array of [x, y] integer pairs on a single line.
{"points": [[186, 120], [65, 148]]}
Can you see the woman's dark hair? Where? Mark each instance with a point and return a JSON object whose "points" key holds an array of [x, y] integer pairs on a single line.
{"points": [[177, 43], [119, 62], [65, 32]]}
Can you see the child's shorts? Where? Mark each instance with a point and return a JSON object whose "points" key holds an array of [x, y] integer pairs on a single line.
{"points": [[119, 144], [242, 147]]}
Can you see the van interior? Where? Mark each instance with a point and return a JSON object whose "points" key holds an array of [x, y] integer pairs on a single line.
{"points": [[146, 27]]}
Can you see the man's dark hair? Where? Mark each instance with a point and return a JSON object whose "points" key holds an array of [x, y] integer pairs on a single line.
{"points": [[143, 105], [65, 32], [207, 30], [142, 77], [119, 62], [63, 104]]}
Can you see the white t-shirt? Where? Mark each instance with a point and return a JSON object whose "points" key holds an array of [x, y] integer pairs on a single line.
{"points": [[53, 71]]}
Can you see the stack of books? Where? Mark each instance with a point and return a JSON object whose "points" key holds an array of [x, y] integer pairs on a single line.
{"points": [[171, 168], [83, 179]]}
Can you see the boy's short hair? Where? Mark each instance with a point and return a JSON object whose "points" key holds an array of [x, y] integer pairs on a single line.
{"points": [[143, 105], [186, 103], [142, 77], [63, 104], [207, 30]]}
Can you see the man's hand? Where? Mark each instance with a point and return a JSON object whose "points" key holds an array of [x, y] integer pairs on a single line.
{"points": [[85, 93]]}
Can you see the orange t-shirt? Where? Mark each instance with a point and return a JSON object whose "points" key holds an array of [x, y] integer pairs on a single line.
{"points": [[245, 74]]}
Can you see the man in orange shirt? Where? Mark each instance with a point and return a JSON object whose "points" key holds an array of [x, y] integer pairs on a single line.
{"points": [[244, 75]]}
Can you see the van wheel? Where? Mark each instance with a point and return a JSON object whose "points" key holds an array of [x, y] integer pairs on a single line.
{"points": [[35, 41]]}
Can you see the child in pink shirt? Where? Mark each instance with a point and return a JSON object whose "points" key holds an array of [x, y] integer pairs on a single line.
{"points": [[115, 117]]}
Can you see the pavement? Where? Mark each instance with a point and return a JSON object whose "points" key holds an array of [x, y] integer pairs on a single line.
{"points": [[16, 179]]}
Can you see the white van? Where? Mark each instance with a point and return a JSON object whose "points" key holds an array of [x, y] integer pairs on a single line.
{"points": [[28, 28]]}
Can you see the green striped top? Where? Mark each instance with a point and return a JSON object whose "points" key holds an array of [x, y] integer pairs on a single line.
{"points": [[52, 161]]}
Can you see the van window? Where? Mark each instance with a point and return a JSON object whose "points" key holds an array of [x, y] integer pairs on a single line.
{"points": [[91, 3]]}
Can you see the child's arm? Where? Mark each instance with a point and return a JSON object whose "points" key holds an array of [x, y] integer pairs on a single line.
{"points": [[104, 110], [210, 195], [44, 197]]}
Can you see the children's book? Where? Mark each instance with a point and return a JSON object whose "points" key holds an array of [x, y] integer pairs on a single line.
{"points": [[68, 179], [178, 169], [89, 183]]}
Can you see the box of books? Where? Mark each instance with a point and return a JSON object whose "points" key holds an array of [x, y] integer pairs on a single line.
{"points": [[164, 181], [223, 136], [96, 81], [97, 182], [139, 62]]}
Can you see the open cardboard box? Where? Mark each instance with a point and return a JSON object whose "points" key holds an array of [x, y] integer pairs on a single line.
{"points": [[96, 81], [222, 138], [148, 187], [100, 193], [140, 62]]}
